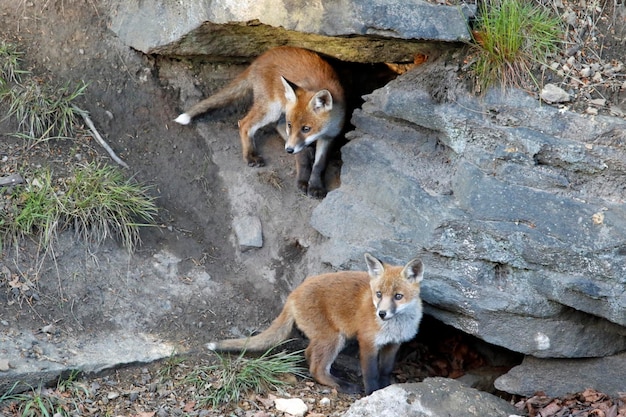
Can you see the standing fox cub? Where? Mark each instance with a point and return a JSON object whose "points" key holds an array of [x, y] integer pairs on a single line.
{"points": [[298, 84], [381, 309]]}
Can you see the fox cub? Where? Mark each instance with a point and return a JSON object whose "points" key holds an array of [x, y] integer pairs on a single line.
{"points": [[381, 308], [299, 85]]}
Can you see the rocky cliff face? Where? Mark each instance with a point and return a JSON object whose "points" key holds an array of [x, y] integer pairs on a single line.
{"points": [[357, 31], [516, 208]]}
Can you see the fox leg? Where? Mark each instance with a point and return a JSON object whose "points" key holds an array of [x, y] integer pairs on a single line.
{"points": [[321, 356], [304, 163], [369, 366], [386, 362], [316, 183], [258, 117]]}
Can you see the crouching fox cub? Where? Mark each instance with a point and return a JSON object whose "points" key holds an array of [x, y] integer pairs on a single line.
{"points": [[298, 84], [380, 308]]}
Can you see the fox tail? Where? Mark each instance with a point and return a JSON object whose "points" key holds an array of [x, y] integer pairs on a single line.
{"points": [[279, 331], [237, 89]]}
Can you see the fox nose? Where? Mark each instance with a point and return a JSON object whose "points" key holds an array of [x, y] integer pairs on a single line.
{"points": [[382, 314], [289, 149]]}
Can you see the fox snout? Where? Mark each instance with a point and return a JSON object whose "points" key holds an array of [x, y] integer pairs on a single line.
{"points": [[299, 145], [385, 314]]}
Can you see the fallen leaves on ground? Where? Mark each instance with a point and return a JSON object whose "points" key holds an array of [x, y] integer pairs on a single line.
{"points": [[589, 403]]}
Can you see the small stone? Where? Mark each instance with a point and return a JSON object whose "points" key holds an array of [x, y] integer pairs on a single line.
{"points": [[325, 402], [113, 395], [5, 366], [586, 72], [553, 94], [293, 406], [49, 328], [600, 102], [616, 111], [249, 232], [591, 111], [570, 18]]}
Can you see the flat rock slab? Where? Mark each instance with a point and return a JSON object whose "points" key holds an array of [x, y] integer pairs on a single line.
{"points": [[34, 357], [242, 29], [560, 377], [432, 397]]}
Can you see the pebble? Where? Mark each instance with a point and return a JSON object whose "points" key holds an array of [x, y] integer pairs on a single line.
{"points": [[600, 102], [553, 94], [294, 406], [5, 366]]}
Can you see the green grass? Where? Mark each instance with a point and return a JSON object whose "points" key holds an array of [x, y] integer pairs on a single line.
{"points": [[42, 112], [45, 402], [100, 202], [34, 210], [10, 64], [96, 201], [511, 37], [233, 377]]}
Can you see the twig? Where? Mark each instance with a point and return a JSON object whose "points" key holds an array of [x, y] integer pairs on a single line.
{"points": [[96, 135]]}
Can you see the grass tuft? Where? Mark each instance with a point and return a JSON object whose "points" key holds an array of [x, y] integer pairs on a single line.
{"points": [[231, 378], [511, 37], [43, 113], [10, 64], [96, 201], [100, 202], [44, 402]]}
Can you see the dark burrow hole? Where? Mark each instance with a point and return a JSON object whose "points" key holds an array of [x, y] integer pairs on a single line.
{"points": [[440, 350]]}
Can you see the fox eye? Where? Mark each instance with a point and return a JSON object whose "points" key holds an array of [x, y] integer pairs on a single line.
{"points": [[305, 129], [398, 296], [288, 125], [379, 294]]}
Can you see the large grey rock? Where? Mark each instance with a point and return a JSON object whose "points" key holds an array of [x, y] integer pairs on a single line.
{"points": [[516, 208], [559, 377], [242, 29], [432, 397]]}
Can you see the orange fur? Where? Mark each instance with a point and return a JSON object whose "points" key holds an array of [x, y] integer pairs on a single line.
{"points": [[380, 308], [298, 84]]}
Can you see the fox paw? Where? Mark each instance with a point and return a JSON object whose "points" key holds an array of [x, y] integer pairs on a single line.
{"points": [[303, 186], [316, 192], [255, 161]]}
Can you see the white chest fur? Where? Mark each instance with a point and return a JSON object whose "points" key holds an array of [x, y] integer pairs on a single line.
{"points": [[402, 327]]}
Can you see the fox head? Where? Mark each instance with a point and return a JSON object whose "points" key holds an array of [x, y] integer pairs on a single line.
{"points": [[394, 288], [308, 115]]}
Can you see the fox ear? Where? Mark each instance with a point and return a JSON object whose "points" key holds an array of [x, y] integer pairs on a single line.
{"points": [[374, 267], [414, 271], [322, 101], [290, 89]]}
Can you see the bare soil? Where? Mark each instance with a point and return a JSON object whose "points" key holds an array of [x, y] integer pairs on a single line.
{"points": [[201, 182]]}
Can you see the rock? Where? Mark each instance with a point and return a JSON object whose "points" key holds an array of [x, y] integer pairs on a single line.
{"points": [[432, 397], [5, 366], [293, 406], [249, 232], [553, 94], [560, 377], [499, 196], [196, 27]]}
